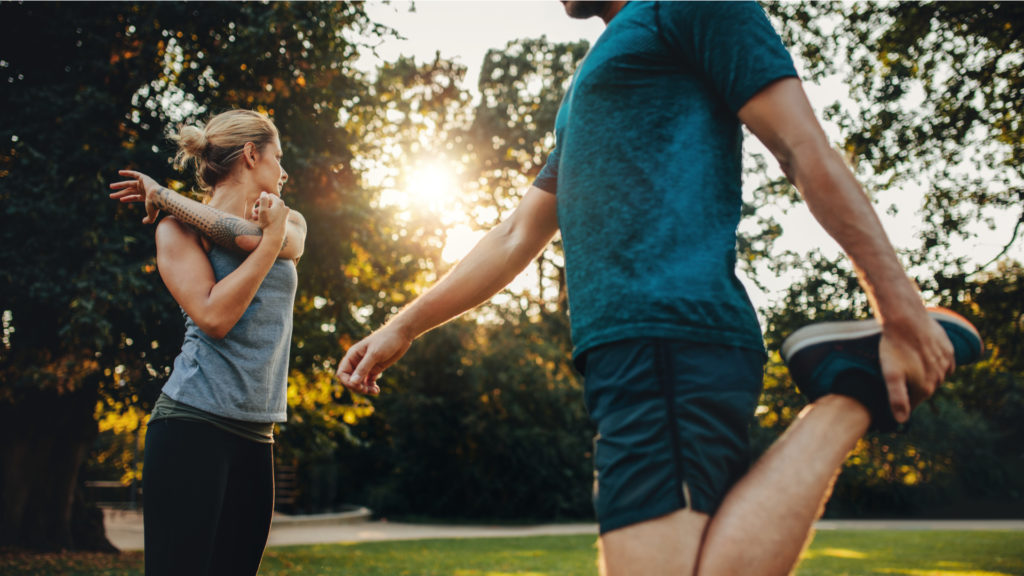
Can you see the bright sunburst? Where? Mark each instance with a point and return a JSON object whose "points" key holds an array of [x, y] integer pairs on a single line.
{"points": [[435, 188], [432, 187]]}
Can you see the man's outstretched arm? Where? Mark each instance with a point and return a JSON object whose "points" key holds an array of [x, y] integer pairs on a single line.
{"points": [[494, 262], [916, 354], [223, 229]]}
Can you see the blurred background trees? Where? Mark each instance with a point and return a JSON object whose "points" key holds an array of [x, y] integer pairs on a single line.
{"points": [[932, 124], [484, 417]]}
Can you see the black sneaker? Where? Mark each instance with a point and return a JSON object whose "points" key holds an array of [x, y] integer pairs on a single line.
{"points": [[842, 358]]}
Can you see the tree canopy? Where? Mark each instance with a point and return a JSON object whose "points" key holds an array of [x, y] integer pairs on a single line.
{"points": [[484, 417]]}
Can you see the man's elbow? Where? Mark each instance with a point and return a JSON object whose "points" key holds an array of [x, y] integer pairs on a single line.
{"points": [[808, 161]]}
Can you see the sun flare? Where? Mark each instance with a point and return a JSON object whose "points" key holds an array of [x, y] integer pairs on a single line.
{"points": [[431, 187]]}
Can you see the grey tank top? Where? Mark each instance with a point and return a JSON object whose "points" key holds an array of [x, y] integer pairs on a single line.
{"points": [[243, 376]]}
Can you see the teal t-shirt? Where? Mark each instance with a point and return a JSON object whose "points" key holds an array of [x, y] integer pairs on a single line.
{"points": [[647, 167]]}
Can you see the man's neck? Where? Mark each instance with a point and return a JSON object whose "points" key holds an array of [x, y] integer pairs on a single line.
{"points": [[612, 10]]}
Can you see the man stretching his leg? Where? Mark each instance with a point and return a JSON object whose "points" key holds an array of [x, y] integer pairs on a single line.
{"points": [[644, 185]]}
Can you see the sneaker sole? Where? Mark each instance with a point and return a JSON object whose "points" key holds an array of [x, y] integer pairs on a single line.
{"points": [[853, 329]]}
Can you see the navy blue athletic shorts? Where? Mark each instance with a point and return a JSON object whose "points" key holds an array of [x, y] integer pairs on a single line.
{"points": [[672, 420]]}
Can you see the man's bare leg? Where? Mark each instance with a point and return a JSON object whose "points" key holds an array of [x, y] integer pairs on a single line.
{"points": [[665, 545], [764, 521]]}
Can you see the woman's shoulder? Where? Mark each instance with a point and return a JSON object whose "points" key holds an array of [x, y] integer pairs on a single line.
{"points": [[173, 233]]}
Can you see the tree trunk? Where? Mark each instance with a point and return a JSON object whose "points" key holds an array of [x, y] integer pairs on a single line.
{"points": [[46, 439]]}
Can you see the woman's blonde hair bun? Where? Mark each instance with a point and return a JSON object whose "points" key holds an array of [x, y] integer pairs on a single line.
{"points": [[216, 146]]}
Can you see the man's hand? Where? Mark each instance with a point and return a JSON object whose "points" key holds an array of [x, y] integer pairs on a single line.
{"points": [[140, 188], [916, 356], [366, 359]]}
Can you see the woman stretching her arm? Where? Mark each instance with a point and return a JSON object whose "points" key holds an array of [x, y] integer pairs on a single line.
{"points": [[208, 470]]}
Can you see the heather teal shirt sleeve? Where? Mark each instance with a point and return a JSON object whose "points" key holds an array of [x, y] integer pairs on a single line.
{"points": [[547, 180], [732, 44]]}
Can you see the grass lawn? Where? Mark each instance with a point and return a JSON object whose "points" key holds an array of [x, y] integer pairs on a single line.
{"points": [[834, 553]]}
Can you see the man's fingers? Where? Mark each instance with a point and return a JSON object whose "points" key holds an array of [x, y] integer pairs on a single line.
{"points": [[344, 370], [348, 369], [899, 401], [366, 372]]}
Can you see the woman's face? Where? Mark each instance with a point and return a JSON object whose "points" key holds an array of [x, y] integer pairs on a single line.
{"points": [[270, 175]]}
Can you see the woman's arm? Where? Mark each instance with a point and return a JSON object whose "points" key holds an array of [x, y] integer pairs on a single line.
{"points": [[223, 229], [186, 271]]}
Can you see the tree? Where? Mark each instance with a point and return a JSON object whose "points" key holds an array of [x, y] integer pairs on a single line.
{"points": [[934, 105], [484, 416], [75, 292], [936, 97], [521, 88], [97, 88]]}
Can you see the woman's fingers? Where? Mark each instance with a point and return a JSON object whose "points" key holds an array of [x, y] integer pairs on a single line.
{"points": [[126, 191], [127, 196]]}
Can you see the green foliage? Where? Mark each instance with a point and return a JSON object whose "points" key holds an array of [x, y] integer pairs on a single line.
{"points": [[77, 287], [925, 470], [937, 92], [934, 102], [484, 417], [483, 421]]}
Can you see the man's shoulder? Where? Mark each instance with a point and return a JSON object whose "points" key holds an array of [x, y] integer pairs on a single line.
{"points": [[705, 16]]}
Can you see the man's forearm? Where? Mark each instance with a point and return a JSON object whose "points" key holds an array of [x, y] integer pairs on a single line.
{"points": [[782, 118], [837, 201], [490, 266]]}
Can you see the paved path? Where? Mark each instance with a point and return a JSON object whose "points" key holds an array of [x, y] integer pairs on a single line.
{"points": [[124, 528]]}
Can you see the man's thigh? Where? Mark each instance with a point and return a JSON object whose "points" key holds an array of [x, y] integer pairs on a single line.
{"points": [[667, 545], [672, 420]]}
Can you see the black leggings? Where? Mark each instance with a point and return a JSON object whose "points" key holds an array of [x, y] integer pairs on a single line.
{"points": [[209, 499]]}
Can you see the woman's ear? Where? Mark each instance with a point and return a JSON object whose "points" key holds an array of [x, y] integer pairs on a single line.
{"points": [[249, 153]]}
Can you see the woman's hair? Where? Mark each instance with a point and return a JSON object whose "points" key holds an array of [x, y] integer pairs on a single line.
{"points": [[215, 146]]}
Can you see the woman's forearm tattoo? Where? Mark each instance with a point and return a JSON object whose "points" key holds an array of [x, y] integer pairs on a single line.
{"points": [[223, 229]]}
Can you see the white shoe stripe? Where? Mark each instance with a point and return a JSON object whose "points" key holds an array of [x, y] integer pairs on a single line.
{"points": [[814, 334]]}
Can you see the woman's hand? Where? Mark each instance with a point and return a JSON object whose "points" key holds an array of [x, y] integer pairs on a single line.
{"points": [[272, 216], [140, 188]]}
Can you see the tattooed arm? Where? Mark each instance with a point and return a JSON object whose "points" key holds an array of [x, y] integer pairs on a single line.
{"points": [[221, 228]]}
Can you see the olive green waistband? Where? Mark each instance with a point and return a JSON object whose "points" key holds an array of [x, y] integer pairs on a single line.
{"points": [[167, 407]]}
